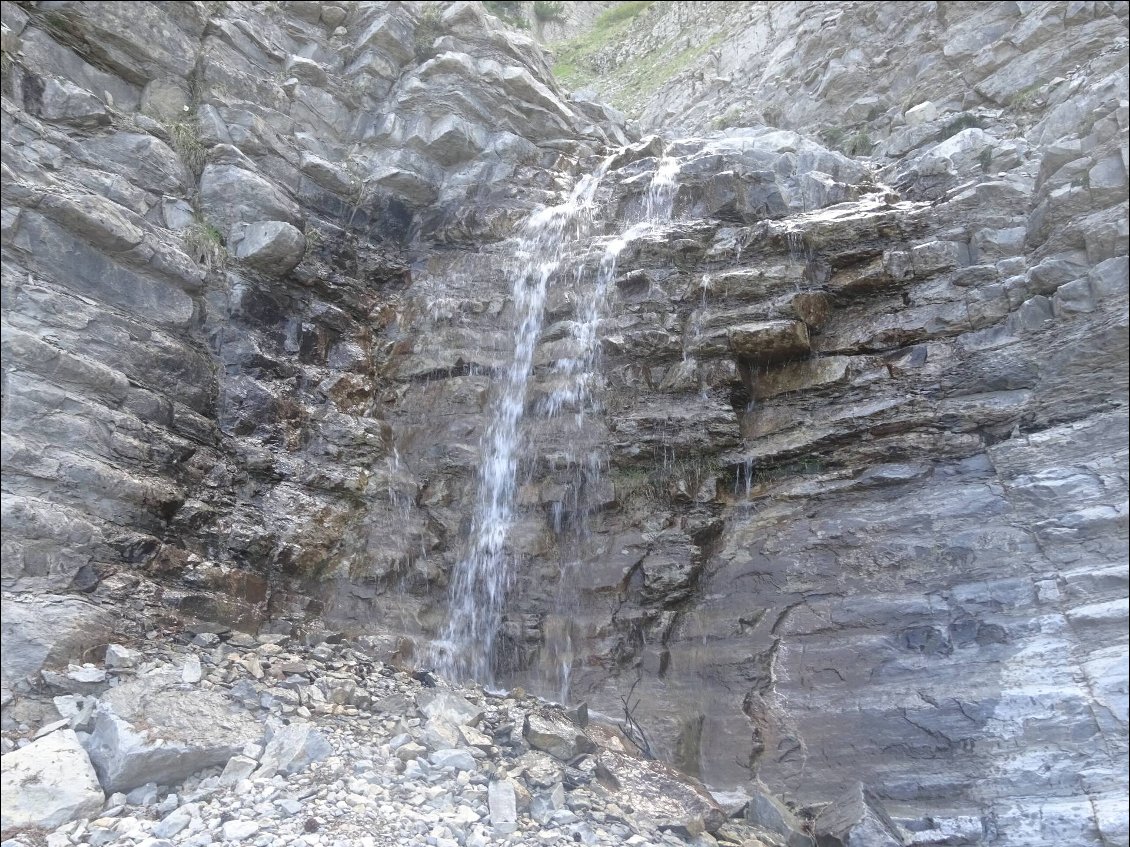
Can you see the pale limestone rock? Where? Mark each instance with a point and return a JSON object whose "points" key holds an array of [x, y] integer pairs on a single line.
{"points": [[48, 783], [155, 729], [273, 247]]}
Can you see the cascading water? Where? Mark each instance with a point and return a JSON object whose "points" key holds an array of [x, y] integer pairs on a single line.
{"points": [[481, 579], [575, 389]]}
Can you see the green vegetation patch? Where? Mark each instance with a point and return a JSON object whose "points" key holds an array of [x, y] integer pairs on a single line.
{"points": [[856, 143], [630, 84], [205, 245], [623, 12], [639, 488], [185, 136], [428, 29], [548, 11]]}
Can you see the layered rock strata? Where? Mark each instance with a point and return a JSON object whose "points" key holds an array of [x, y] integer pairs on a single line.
{"points": [[851, 501]]}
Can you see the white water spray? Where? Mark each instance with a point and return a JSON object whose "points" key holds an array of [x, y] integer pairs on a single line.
{"points": [[480, 581], [579, 376]]}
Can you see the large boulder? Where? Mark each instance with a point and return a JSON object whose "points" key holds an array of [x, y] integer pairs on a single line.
{"points": [[857, 819], [293, 748], [502, 801], [157, 729], [768, 813], [48, 783], [47, 630], [551, 730], [273, 247], [769, 340], [438, 704], [231, 194], [660, 793]]}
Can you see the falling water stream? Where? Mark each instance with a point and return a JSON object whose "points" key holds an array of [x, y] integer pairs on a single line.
{"points": [[481, 580]]}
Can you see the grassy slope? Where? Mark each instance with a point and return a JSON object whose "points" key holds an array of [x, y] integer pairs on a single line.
{"points": [[629, 85]]}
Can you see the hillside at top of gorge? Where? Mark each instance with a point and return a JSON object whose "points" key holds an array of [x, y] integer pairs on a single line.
{"points": [[772, 356]]}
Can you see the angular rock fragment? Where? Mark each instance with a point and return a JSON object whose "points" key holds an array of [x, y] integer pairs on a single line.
{"points": [[156, 729], [770, 814], [769, 340], [273, 247], [503, 804], [461, 760], [293, 748], [550, 730], [857, 819], [48, 783], [48, 629], [667, 797], [448, 706]]}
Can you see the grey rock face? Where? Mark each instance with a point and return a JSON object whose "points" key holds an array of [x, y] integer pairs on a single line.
{"points": [[861, 427], [121, 305]]}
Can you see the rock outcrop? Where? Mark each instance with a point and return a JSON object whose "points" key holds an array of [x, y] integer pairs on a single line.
{"points": [[844, 496]]}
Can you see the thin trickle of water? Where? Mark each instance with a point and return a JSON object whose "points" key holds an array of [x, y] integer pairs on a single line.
{"points": [[698, 316], [797, 247], [743, 479], [481, 579], [662, 190]]}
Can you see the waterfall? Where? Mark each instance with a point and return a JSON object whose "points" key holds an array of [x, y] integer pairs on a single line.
{"points": [[579, 370], [578, 375], [480, 580]]}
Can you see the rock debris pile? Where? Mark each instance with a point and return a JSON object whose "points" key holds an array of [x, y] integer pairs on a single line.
{"points": [[209, 736]]}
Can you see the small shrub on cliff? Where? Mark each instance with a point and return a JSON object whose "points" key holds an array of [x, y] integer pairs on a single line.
{"points": [[204, 245], [859, 144], [428, 29], [731, 118], [548, 11], [315, 238], [832, 137], [673, 479], [1027, 98], [854, 144], [186, 141]]}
